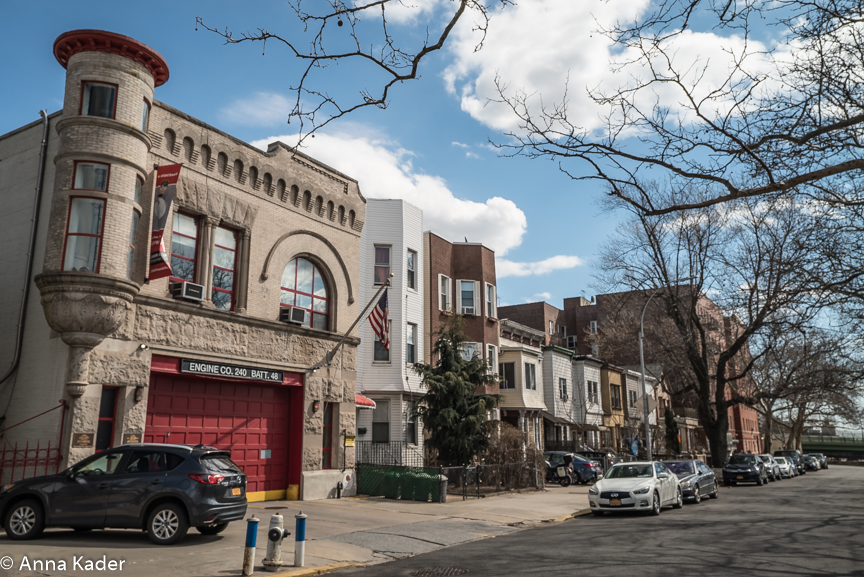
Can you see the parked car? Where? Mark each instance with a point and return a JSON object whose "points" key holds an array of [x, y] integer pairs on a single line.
{"points": [[823, 460], [787, 467], [744, 468], [771, 465], [162, 489], [796, 458], [811, 463], [582, 470], [695, 479], [604, 458], [642, 485]]}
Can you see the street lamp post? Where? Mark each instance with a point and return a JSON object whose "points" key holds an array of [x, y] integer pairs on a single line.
{"points": [[642, 367]]}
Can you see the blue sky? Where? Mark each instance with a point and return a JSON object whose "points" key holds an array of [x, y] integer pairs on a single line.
{"points": [[430, 146]]}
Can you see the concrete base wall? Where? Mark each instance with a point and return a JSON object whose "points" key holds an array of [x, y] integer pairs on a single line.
{"points": [[316, 485]]}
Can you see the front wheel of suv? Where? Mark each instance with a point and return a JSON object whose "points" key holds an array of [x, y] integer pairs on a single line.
{"points": [[24, 520], [167, 524]]}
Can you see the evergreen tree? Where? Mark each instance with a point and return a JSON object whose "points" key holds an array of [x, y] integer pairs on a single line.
{"points": [[454, 415]]}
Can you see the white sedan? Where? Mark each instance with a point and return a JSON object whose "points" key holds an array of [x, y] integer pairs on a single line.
{"points": [[642, 486]]}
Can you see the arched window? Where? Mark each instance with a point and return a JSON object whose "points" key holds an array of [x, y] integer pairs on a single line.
{"points": [[303, 286]]}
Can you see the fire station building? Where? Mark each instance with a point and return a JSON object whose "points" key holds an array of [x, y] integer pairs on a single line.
{"points": [[264, 249]]}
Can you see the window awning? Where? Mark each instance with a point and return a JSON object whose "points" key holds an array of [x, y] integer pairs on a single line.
{"points": [[363, 402]]}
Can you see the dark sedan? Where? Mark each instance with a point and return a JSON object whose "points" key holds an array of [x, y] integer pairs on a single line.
{"points": [[744, 468], [161, 489], [583, 470], [695, 478], [811, 463]]}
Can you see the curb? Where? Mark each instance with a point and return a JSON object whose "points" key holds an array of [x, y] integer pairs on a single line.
{"points": [[580, 513], [319, 570]]}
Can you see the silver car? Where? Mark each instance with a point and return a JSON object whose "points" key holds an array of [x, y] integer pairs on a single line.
{"points": [[642, 486], [787, 467], [771, 466]]}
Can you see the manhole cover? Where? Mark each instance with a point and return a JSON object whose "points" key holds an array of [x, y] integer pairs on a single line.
{"points": [[438, 572]]}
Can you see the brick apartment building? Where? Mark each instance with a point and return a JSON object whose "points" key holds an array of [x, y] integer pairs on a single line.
{"points": [[460, 279], [255, 235]]}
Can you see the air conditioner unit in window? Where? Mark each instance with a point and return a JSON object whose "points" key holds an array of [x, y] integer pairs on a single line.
{"points": [[468, 311], [293, 315], [565, 398], [186, 290]]}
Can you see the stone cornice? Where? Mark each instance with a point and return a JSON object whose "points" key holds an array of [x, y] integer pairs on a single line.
{"points": [[232, 317]]}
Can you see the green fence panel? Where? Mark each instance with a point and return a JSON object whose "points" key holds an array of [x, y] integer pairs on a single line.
{"points": [[392, 482]]}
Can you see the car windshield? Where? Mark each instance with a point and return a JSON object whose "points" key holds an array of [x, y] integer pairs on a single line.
{"points": [[680, 469], [742, 460], [629, 471], [780, 460], [765, 458]]}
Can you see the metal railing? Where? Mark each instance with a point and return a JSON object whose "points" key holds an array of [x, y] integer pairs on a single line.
{"points": [[398, 453], [476, 481], [31, 461]]}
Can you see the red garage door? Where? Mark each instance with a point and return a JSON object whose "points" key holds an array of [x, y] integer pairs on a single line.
{"points": [[249, 419]]}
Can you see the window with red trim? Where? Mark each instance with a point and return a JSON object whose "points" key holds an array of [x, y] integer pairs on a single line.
{"points": [[91, 176], [107, 414], [98, 99], [84, 229], [224, 261], [303, 286], [184, 247], [327, 445]]}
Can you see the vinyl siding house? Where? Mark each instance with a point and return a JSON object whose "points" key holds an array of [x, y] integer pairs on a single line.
{"points": [[520, 372], [392, 242], [559, 393]]}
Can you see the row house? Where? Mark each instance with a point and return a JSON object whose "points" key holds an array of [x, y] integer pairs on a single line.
{"points": [[588, 318], [227, 351], [589, 402], [521, 369], [392, 244], [460, 280]]}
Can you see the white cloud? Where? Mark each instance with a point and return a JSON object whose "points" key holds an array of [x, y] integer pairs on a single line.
{"points": [[470, 154], [459, 144], [544, 296], [261, 109], [384, 170], [535, 46], [409, 11], [505, 268]]}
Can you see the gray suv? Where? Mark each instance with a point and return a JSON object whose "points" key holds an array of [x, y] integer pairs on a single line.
{"points": [[161, 489]]}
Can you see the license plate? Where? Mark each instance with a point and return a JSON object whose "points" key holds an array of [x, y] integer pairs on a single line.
{"points": [[740, 476], [235, 491], [614, 501]]}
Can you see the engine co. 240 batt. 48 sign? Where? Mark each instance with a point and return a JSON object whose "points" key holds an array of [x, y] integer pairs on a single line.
{"points": [[229, 371]]}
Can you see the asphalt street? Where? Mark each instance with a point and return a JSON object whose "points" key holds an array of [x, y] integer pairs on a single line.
{"points": [[810, 525]]}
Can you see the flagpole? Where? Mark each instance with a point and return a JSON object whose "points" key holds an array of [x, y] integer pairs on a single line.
{"points": [[328, 358]]}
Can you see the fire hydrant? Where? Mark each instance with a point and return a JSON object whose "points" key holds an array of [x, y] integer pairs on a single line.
{"points": [[275, 534]]}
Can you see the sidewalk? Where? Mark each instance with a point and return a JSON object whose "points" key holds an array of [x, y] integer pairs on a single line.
{"points": [[361, 530], [340, 533]]}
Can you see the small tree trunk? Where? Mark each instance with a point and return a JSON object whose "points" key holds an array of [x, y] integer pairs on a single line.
{"points": [[769, 429]]}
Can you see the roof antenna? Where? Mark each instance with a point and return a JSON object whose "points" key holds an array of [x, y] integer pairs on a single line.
{"points": [[466, 239]]}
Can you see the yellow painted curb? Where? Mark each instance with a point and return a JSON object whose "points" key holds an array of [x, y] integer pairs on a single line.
{"points": [[571, 516], [319, 570]]}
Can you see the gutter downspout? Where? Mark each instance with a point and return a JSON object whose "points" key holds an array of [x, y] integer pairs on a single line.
{"points": [[34, 218]]}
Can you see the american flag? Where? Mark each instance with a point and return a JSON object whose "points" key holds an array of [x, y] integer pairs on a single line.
{"points": [[378, 318]]}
